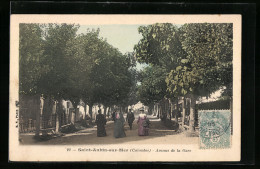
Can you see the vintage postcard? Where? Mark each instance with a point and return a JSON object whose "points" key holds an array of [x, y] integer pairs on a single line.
{"points": [[125, 88]]}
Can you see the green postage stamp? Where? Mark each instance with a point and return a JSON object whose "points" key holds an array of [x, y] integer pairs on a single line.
{"points": [[215, 129]]}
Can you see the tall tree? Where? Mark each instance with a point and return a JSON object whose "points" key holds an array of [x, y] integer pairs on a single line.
{"points": [[86, 50], [30, 58], [80, 61], [56, 82], [208, 65], [161, 47], [104, 76]]}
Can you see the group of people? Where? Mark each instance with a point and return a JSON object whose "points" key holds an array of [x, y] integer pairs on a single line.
{"points": [[119, 122]]}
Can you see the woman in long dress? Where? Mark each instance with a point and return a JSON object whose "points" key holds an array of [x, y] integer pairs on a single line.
{"points": [[143, 124], [119, 131], [101, 122]]}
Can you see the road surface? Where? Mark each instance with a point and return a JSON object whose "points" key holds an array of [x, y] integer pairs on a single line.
{"points": [[158, 134]]}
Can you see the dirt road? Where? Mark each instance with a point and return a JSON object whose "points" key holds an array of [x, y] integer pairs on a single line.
{"points": [[158, 134]]}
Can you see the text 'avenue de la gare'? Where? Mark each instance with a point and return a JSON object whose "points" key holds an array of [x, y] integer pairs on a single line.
{"points": [[127, 150]]}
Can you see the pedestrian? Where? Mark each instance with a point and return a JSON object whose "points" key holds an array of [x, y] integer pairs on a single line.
{"points": [[101, 122], [114, 116], [143, 124], [119, 131], [130, 118]]}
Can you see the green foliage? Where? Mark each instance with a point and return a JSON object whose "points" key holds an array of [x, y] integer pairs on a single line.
{"points": [[197, 59], [160, 45], [83, 53], [30, 58], [193, 59], [208, 65], [153, 86], [56, 82], [102, 72], [111, 77], [132, 97], [58, 63]]}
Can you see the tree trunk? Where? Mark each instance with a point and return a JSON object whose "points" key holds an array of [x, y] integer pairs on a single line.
{"points": [[105, 111], [170, 108], [53, 112], [76, 115], [163, 113], [90, 110], [57, 123], [160, 110], [74, 104], [157, 109], [41, 112], [38, 116], [85, 111], [59, 111], [192, 113], [70, 115], [183, 112], [57, 129], [154, 109], [231, 110], [169, 111], [108, 111], [177, 110]]}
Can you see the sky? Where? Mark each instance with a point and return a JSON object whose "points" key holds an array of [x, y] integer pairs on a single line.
{"points": [[123, 37]]}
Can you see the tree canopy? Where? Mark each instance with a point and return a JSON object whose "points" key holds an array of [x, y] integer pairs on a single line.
{"points": [[55, 82], [30, 58], [160, 45], [153, 86], [208, 63], [189, 59], [193, 60], [58, 62], [197, 58]]}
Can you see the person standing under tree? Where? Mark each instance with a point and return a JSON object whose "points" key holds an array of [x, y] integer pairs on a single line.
{"points": [[143, 124], [130, 118], [119, 125], [101, 122]]}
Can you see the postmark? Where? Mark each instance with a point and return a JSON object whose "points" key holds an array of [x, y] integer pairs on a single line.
{"points": [[214, 126]]}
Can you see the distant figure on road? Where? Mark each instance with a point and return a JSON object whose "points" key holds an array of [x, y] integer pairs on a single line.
{"points": [[114, 116], [130, 118], [119, 125], [101, 122], [143, 124]]}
